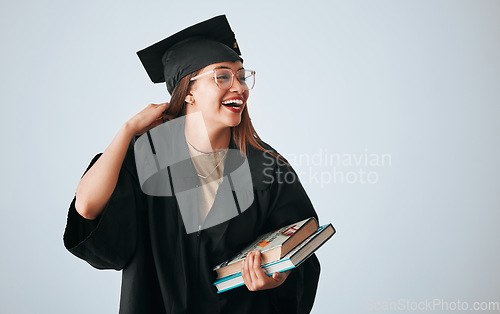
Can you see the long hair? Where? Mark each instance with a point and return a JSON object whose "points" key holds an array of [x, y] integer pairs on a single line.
{"points": [[244, 134]]}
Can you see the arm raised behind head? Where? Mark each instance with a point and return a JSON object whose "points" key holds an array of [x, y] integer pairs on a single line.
{"points": [[97, 185]]}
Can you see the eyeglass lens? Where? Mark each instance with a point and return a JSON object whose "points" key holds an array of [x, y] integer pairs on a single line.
{"points": [[224, 78]]}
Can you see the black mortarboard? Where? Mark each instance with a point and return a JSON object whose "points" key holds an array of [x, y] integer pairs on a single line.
{"points": [[189, 50]]}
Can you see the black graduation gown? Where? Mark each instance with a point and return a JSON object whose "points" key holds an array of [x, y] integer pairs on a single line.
{"points": [[166, 270]]}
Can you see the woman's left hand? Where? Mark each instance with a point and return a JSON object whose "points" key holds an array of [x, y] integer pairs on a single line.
{"points": [[255, 278]]}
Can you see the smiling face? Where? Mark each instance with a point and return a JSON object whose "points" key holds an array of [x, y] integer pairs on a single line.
{"points": [[221, 108]]}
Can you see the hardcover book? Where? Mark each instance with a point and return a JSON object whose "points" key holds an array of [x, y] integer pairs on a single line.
{"points": [[272, 246], [292, 260]]}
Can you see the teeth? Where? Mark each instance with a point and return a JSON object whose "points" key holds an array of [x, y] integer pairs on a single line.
{"points": [[233, 101]]}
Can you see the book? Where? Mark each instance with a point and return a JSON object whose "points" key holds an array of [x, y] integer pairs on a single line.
{"points": [[272, 245], [292, 260]]}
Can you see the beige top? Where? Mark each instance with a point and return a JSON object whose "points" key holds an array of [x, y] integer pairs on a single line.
{"points": [[210, 169]]}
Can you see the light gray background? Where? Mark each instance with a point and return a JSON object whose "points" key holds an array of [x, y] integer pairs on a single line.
{"points": [[418, 80]]}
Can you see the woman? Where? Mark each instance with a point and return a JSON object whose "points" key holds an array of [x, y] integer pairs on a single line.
{"points": [[120, 219]]}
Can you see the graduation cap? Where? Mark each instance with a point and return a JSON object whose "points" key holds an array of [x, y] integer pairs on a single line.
{"points": [[190, 50]]}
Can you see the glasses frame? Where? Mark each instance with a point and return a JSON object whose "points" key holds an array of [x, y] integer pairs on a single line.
{"points": [[232, 77]]}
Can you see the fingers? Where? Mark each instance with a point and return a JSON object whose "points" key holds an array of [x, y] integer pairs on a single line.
{"points": [[254, 276], [151, 116], [281, 277], [162, 106], [160, 111], [278, 277], [158, 108], [248, 273], [245, 274], [258, 274], [251, 268]]}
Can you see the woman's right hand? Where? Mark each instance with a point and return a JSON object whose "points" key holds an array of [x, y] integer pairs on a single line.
{"points": [[148, 118]]}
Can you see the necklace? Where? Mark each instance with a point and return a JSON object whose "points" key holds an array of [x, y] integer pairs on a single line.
{"points": [[216, 166]]}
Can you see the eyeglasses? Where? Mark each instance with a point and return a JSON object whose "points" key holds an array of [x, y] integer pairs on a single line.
{"points": [[224, 78]]}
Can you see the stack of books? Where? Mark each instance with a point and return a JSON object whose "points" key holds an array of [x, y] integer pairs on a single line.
{"points": [[281, 250]]}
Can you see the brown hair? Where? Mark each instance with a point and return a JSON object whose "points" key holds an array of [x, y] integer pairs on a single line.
{"points": [[244, 134]]}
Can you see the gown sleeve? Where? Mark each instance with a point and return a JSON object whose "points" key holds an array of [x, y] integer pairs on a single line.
{"points": [[107, 242], [289, 204]]}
